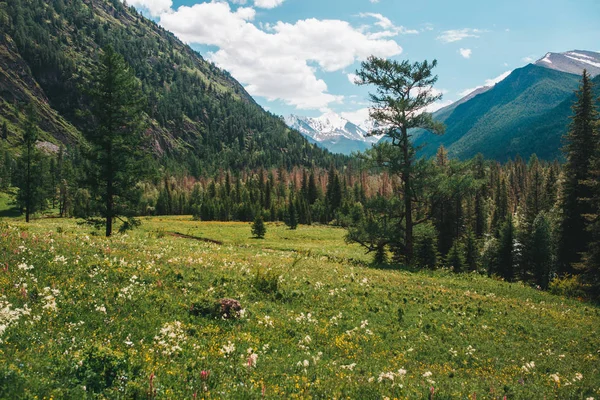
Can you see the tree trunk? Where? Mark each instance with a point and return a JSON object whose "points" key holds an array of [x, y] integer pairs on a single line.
{"points": [[408, 237], [109, 207], [28, 186]]}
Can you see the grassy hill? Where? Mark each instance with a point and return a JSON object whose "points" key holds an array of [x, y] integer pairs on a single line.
{"points": [[197, 115], [82, 316], [525, 113]]}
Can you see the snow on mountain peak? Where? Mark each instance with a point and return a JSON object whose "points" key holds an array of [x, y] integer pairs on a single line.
{"points": [[573, 62], [331, 127]]}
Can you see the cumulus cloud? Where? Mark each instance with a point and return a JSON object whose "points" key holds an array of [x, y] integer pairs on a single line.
{"points": [[154, 7], [456, 35], [268, 3], [466, 53], [488, 83], [279, 61], [352, 78]]}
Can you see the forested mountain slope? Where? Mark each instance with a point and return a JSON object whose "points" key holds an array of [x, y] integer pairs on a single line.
{"points": [[198, 116], [515, 117]]}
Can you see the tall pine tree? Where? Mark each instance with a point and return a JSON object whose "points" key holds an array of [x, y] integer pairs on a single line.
{"points": [[115, 138], [574, 236]]}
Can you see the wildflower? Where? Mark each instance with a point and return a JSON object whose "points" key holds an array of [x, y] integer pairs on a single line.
{"points": [[228, 349], [204, 375], [349, 367], [427, 374], [528, 367], [578, 377], [556, 378], [252, 360]]}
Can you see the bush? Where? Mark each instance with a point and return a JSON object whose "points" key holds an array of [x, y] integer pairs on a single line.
{"points": [[266, 282], [569, 286]]}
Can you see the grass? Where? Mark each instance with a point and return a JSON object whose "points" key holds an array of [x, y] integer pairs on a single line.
{"points": [[82, 316]]}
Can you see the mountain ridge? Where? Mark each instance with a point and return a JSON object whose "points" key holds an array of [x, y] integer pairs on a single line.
{"points": [[198, 117]]}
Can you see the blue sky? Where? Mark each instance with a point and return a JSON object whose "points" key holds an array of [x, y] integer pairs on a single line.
{"points": [[296, 56]]}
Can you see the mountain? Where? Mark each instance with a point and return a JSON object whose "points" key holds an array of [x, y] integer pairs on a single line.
{"points": [[573, 62], [334, 132], [199, 118], [527, 112]]}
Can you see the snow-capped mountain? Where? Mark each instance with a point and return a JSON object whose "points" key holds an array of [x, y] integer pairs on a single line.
{"points": [[334, 132], [573, 62]]}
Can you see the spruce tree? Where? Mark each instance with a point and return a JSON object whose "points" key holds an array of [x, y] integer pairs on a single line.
{"points": [[259, 229], [540, 250], [574, 236], [471, 251], [592, 255], [292, 214], [4, 131], [506, 253], [30, 194], [116, 140], [455, 258]]}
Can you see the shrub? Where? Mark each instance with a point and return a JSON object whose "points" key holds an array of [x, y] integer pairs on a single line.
{"points": [[569, 286], [266, 282]]}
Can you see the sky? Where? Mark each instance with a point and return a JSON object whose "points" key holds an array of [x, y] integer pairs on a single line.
{"points": [[299, 56]]}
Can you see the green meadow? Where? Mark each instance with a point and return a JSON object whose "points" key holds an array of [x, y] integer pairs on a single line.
{"points": [[138, 316]]}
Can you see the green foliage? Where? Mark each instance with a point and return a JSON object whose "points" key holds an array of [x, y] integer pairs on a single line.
{"points": [[116, 154], [581, 143], [199, 118], [455, 258], [398, 107], [258, 227], [426, 256], [506, 255], [524, 114]]}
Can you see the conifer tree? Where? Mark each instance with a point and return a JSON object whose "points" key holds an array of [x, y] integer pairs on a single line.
{"points": [[471, 251], [455, 258], [258, 227], [506, 253], [4, 131], [292, 214], [402, 91], [30, 195], [574, 236], [540, 250], [116, 139]]}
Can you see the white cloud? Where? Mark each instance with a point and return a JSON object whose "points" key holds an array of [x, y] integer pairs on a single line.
{"points": [[456, 35], [280, 61], [268, 3], [352, 78], [389, 29], [374, 1], [154, 7], [528, 59], [357, 117], [466, 53], [487, 83]]}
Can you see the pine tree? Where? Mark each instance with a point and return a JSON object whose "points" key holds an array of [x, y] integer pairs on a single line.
{"points": [[402, 91], [116, 139], [4, 131], [574, 236], [506, 252], [259, 229], [455, 258], [28, 183], [471, 251], [592, 255], [292, 214], [540, 250]]}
